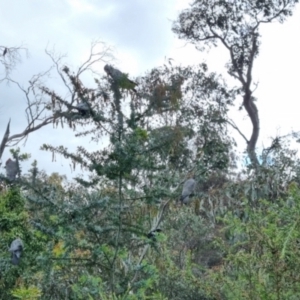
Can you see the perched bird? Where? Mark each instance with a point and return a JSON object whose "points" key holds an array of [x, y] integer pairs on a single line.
{"points": [[4, 52], [120, 78], [153, 233], [83, 108], [11, 169], [188, 190], [16, 249]]}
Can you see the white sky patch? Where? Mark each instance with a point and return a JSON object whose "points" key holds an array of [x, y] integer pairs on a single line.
{"points": [[84, 7], [71, 26], [81, 6]]}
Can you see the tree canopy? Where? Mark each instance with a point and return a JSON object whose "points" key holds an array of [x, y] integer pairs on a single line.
{"points": [[234, 25], [119, 231]]}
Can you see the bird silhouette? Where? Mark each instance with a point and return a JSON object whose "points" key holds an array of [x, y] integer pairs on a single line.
{"points": [[188, 190], [16, 249]]}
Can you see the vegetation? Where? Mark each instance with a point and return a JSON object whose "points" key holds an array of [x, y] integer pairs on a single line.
{"points": [[119, 231]]}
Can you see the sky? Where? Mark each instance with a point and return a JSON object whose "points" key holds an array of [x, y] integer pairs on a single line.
{"points": [[140, 33]]}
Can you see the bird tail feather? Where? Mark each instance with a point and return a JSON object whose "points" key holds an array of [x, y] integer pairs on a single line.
{"points": [[15, 258]]}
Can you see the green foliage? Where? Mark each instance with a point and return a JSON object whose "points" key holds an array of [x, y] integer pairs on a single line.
{"points": [[95, 230], [30, 293], [125, 83], [234, 24], [89, 239], [14, 222], [185, 256], [262, 258]]}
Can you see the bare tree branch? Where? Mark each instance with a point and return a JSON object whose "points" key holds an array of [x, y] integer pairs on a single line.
{"points": [[40, 99], [20, 136], [9, 59], [105, 55], [231, 123], [236, 25]]}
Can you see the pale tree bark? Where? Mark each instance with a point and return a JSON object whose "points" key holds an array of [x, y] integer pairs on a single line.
{"points": [[235, 26]]}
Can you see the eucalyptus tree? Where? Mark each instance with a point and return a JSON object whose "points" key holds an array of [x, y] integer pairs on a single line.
{"points": [[234, 25]]}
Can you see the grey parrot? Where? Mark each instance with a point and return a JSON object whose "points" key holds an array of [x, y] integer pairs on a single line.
{"points": [[16, 249], [120, 78], [11, 169], [83, 108], [188, 190], [153, 233]]}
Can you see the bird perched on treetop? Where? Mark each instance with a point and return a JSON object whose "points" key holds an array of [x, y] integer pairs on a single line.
{"points": [[188, 190], [153, 233], [11, 169], [4, 52], [83, 108], [16, 249], [120, 78]]}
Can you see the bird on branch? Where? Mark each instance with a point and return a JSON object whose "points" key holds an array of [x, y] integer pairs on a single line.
{"points": [[82, 108], [188, 190], [120, 78], [152, 234], [16, 249], [11, 169]]}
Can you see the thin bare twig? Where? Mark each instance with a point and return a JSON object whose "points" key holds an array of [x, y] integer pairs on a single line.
{"points": [[237, 129]]}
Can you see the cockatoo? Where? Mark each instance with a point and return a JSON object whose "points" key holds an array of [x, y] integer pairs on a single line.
{"points": [[120, 78], [11, 169], [188, 190], [16, 249]]}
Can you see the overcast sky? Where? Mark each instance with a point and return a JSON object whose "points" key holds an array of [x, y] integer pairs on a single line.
{"points": [[140, 32]]}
